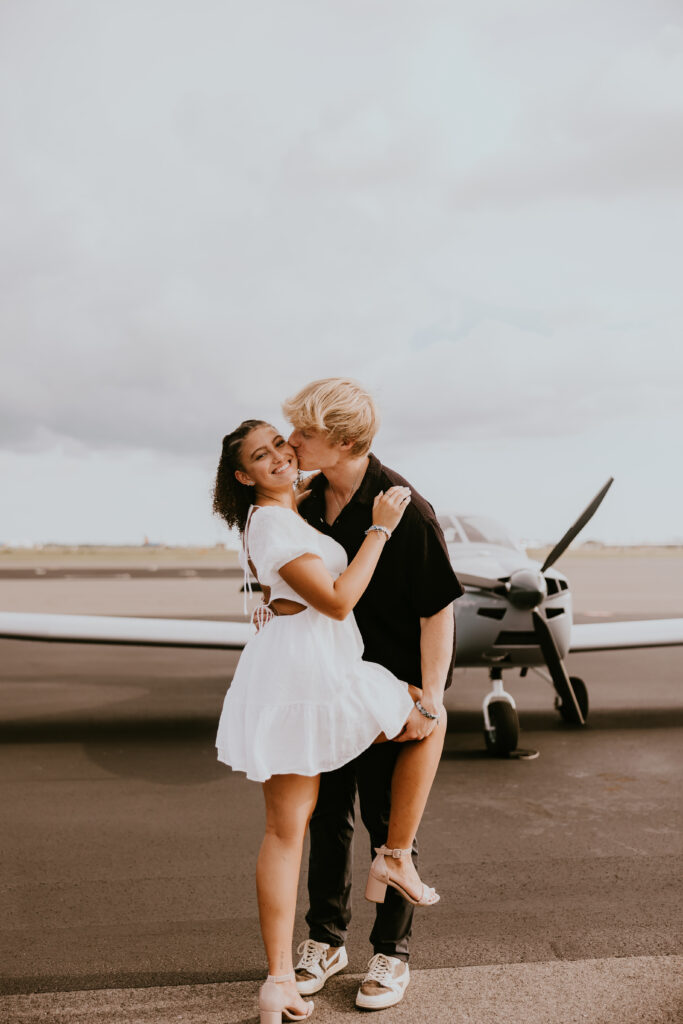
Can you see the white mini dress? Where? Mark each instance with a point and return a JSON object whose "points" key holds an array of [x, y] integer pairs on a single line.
{"points": [[302, 700]]}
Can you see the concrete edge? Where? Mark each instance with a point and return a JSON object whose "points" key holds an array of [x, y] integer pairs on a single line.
{"points": [[627, 990]]}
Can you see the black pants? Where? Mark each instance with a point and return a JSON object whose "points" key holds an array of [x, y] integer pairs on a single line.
{"points": [[329, 867]]}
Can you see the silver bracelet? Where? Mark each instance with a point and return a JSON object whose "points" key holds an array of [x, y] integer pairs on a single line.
{"points": [[423, 711], [379, 529]]}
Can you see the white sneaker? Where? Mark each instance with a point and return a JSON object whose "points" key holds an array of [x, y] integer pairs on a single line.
{"points": [[384, 984], [318, 963]]}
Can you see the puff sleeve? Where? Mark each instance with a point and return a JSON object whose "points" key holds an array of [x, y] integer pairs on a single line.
{"points": [[275, 537]]}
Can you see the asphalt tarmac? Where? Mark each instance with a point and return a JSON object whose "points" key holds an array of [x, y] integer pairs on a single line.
{"points": [[128, 852]]}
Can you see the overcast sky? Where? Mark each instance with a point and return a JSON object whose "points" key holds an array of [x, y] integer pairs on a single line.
{"points": [[474, 209]]}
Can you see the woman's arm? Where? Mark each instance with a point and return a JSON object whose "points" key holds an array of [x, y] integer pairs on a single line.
{"points": [[310, 579]]}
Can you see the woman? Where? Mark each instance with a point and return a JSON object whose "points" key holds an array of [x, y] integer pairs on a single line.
{"points": [[302, 700]]}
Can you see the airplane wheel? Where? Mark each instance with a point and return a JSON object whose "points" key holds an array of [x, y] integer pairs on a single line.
{"points": [[501, 738], [568, 713]]}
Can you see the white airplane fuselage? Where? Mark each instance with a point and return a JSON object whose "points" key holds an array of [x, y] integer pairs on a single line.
{"points": [[490, 630]]}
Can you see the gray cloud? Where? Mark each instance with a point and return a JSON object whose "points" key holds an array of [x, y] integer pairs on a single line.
{"points": [[205, 208]]}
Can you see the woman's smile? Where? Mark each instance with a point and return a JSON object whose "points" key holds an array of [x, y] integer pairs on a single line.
{"points": [[283, 467]]}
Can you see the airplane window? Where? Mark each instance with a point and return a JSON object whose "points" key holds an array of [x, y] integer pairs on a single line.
{"points": [[482, 530], [450, 529]]}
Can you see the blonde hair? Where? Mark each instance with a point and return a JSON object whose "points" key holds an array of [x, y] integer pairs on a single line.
{"points": [[338, 407]]}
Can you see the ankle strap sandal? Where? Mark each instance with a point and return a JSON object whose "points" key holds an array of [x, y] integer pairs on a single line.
{"points": [[381, 876], [385, 851]]}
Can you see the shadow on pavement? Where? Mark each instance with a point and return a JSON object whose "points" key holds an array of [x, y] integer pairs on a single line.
{"points": [[80, 728]]}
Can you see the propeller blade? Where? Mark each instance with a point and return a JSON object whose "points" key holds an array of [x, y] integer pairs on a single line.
{"points": [[558, 672], [578, 526], [468, 579]]}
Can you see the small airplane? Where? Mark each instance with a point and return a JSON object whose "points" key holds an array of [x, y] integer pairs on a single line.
{"points": [[515, 613]]}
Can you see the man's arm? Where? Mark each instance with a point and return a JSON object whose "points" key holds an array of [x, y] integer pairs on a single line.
{"points": [[437, 637]]}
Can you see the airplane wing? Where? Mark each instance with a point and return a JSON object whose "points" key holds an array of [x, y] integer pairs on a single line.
{"points": [[616, 636], [103, 629]]}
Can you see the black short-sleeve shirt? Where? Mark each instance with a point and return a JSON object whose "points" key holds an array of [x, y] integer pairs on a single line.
{"points": [[413, 579]]}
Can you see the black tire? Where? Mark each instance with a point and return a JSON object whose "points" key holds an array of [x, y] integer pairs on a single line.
{"points": [[568, 713], [501, 738]]}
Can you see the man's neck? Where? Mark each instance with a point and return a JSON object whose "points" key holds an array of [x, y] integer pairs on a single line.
{"points": [[346, 476]]}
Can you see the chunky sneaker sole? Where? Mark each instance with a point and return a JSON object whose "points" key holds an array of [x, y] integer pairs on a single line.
{"points": [[337, 962], [392, 989]]}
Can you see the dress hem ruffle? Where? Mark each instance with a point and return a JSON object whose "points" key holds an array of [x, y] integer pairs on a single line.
{"points": [[329, 767], [349, 724]]}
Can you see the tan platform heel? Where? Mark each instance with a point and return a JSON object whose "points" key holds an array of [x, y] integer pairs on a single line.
{"points": [[379, 878], [272, 1001]]}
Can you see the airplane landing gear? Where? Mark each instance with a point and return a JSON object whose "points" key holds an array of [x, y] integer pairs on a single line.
{"points": [[501, 724], [567, 711]]}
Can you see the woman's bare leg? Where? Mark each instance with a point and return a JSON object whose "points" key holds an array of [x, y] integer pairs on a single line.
{"points": [[290, 801], [412, 780], [411, 783]]}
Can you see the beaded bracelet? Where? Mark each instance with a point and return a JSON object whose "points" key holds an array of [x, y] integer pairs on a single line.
{"points": [[379, 529], [423, 711]]}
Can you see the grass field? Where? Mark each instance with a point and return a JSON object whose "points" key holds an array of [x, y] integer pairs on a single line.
{"points": [[89, 556]]}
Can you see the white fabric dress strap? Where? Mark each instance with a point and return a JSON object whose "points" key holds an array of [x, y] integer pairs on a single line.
{"points": [[262, 614], [247, 588]]}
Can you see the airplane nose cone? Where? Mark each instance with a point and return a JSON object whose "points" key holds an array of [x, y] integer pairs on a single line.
{"points": [[526, 589]]}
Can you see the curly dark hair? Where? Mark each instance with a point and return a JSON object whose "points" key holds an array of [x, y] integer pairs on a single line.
{"points": [[231, 499]]}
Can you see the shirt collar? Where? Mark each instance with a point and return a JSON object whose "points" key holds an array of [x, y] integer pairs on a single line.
{"points": [[370, 484]]}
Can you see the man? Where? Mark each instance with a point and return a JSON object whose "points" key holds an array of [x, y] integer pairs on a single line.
{"points": [[406, 621]]}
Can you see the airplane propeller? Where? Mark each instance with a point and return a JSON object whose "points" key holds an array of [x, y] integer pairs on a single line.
{"points": [[526, 588], [558, 673], [523, 586], [469, 579], [578, 526]]}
